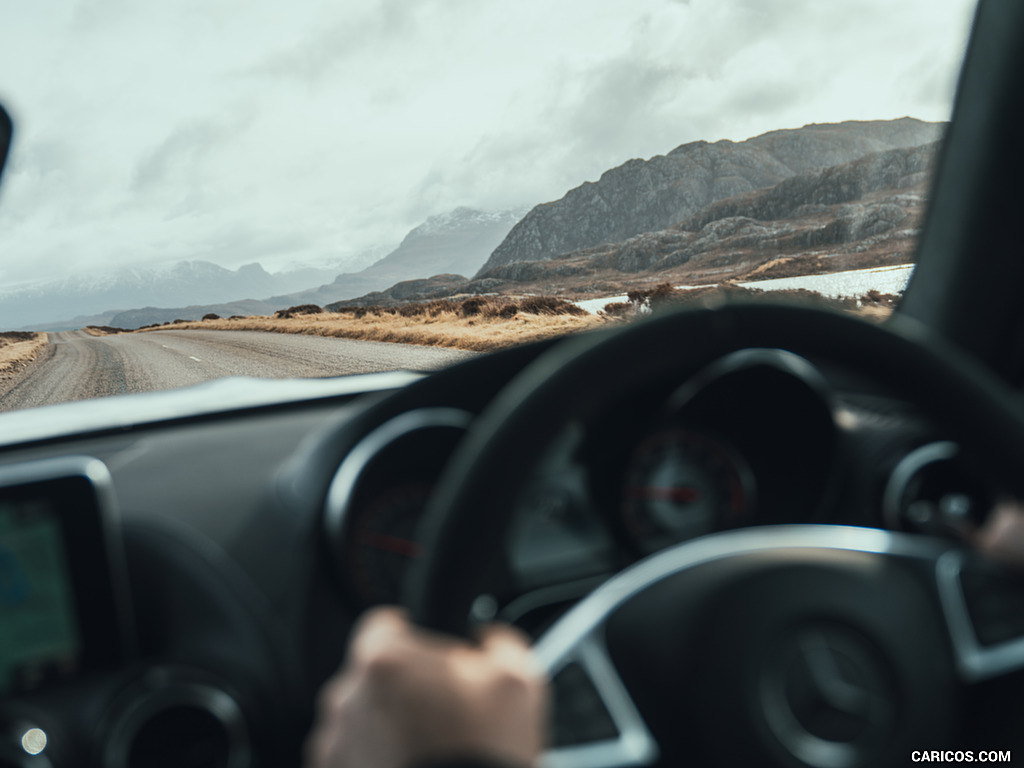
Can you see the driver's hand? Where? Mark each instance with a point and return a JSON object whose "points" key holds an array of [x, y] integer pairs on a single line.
{"points": [[1002, 535], [405, 696]]}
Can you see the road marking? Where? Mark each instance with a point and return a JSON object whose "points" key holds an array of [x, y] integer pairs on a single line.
{"points": [[195, 358]]}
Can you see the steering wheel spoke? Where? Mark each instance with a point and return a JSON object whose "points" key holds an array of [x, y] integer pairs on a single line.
{"points": [[595, 721], [989, 643]]}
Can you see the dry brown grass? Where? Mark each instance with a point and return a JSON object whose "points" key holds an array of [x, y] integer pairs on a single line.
{"points": [[102, 330], [484, 323], [874, 305], [477, 324], [18, 349]]}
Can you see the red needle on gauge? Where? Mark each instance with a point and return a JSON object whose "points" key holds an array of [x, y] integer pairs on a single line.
{"points": [[399, 546], [681, 494]]}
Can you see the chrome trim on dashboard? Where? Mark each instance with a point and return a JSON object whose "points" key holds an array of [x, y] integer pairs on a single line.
{"points": [[905, 470], [219, 396]]}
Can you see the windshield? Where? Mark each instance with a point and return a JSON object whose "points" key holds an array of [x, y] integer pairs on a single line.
{"points": [[203, 190]]}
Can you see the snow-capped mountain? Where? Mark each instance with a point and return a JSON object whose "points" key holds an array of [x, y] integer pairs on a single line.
{"points": [[457, 242]]}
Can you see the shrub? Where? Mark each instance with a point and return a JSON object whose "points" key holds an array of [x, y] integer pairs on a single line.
{"points": [[664, 295], [879, 299], [505, 311], [618, 309], [412, 310], [549, 305], [211, 316], [473, 306], [301, 309], [105, 328], [439, 307]]}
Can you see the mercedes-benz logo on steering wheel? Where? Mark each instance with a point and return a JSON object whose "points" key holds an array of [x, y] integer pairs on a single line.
{"points": [[827, 695]]}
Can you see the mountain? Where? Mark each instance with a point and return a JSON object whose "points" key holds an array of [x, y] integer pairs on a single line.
{"points": [[100, 294], [864, 213], [649, 195], [457, 241], [857, 214], [824, 197]]}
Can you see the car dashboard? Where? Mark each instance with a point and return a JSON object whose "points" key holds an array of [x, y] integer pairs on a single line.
{"points": [[241, 545]]}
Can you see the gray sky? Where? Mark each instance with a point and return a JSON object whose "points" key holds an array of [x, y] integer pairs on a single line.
{"points": [[307, 132]]}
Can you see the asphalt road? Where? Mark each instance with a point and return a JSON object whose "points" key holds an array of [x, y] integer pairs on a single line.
{"points": [[83, 366]]}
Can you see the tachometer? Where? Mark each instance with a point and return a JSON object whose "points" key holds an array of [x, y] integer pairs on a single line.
{"points": [[681, 484], [378, 495], [382, 541]]}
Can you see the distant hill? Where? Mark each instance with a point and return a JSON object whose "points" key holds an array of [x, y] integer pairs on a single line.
{"points": [[100, 294], [422, 289], [458, 241], [455, 242], [649, 195]]}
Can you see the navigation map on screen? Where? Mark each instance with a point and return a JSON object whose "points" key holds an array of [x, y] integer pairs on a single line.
{"points": [[40, 636]]}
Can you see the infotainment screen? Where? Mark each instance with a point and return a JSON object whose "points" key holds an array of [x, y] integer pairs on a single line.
{"points": [[40, 637], [62, 594]]}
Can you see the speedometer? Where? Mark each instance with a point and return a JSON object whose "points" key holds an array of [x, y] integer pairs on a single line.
{"points": [[681, 484]]}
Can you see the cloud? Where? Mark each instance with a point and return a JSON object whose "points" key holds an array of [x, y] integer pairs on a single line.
{"points": [[332, 40], [311, 130], [179, 154], [684, 71]]}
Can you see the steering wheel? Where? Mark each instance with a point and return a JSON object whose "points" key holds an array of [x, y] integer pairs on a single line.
{"points": [[823, 646]]}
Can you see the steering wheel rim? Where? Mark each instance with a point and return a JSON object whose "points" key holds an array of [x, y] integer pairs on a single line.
{"points": [[573, 379]]}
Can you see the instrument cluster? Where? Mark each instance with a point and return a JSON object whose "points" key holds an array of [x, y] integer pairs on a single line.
{"points": [[750, 440]]}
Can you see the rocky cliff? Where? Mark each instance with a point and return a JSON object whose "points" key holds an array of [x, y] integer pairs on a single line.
{"points": [[645, 196], [858, 214]]}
